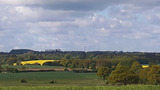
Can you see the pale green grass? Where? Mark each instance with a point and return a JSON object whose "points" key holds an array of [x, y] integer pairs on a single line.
{"points": [[128, 87]]}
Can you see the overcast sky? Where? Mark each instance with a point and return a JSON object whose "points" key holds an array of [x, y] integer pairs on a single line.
{"points": [[97, 25]]}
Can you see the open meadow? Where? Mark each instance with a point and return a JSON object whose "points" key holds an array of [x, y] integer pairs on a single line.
{"points": [[44, 79], [62, 81]]}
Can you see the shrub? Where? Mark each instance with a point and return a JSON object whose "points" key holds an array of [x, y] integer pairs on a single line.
{"points": [[55, 63], [52, 82], [66, 69], [22, 68], [11, 69], [23, 81]]}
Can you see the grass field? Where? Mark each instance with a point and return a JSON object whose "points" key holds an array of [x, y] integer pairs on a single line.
{"points": [[43, 78], [128, 87], [64, 81]]}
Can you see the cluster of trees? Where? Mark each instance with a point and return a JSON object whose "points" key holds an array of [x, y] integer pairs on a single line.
{"points": [[143, 58], [8, 69], [130, 74], [95, 63]]}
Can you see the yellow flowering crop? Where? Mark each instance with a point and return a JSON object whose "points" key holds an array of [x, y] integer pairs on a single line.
{"points": [[145, 66], [35, 61]]}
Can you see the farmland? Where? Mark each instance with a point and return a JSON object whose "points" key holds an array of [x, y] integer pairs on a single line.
{"points": [[43, 78], [75, 71]]}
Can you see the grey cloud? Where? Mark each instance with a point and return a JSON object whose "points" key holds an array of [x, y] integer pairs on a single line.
{"points": [[73, 24]]}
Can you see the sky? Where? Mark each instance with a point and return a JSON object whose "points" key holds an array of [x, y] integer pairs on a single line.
{"points": [[77, 25]]}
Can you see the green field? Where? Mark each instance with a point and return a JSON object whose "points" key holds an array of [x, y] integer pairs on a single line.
{"points": [[43, 78], [64, 81], [128, 87]]}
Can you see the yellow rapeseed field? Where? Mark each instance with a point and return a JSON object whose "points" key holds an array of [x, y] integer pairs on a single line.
{"points": [[145, 66], [35, 61]]}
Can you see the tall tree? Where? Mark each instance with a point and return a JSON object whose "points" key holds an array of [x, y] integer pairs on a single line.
{"points": [[136, 66], [103, 72], [154, 74], [123, 75]]}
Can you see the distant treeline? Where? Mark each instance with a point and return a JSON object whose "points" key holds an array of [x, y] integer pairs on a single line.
{"points": [[17, 55]]}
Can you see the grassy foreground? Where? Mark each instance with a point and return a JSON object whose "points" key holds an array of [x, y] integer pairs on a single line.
{"points": [[128, 87]]}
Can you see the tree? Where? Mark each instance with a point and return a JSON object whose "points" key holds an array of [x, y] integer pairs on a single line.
{"points": [[103, 63], [103, 72], [152, 63], [86, 63], [22, 67], [1, 68], [143, 75], [55, 63], [123, 75], [11, 60], [11, 69], [136, 66], [93, 66], [127, 62], [64, 62], [154, 74]]}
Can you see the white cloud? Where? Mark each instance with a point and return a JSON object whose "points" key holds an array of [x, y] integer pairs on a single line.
{"points": [[73, 24]]}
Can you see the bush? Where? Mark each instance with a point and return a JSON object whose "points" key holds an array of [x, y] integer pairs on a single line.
{"points": [[22, 67], [11, 70], [55, 63], [66, 69], [23, 81], [52, 82]]}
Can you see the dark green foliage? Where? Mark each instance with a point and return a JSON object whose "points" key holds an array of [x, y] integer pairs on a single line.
{"points": [[104, 63], [93, 66], [86, 63], [123, 76], [154, 74], [23, 81], [64, 62], [103, 72], [150, 75], [11, 69], [143, 75], [1, 69], [52, 82], [55, 63], [11, 60], [152, 63], [136, 67], [22, 67], [66, 69], [127, 61]]}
